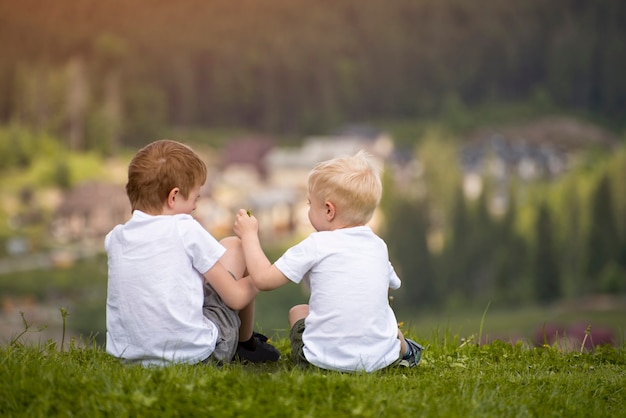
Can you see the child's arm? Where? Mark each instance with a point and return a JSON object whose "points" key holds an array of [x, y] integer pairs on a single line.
{"points": [[237, 294], [264, 274]]}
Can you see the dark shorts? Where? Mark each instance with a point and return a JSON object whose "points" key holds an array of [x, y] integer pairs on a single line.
{"points": [[228, 323], [297, 345]]}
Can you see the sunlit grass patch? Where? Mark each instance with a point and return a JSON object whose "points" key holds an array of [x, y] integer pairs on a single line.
{"points": [[457, 377]]}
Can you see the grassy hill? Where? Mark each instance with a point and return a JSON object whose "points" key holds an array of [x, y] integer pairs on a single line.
{"points": [[455, 379]]}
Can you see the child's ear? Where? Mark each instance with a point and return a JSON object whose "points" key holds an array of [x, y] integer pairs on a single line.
{"points": [[330, 210], [171, 197]]}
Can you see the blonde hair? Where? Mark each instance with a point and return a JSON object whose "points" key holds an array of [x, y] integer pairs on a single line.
{"points": [[352, 184], [159, 167]]}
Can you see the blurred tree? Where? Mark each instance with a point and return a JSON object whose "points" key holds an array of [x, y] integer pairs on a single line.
{"points": [[77, 101], [111, 53], [478, 256], [145, 115], [570, 227], [440, 175], [456, 255], [547, 276], [510, 258], [603, 243], [62, 175], [20, 146], [618, 174], [407, 235], [277, 68]]}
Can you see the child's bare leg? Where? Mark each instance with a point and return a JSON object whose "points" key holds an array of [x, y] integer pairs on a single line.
{"points": [[410, 351], [250, 347], [297, 313], [235, 262], [403, 345], [233, 259], [246, 315]]}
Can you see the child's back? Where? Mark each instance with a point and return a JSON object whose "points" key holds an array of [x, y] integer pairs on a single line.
{"points": [[350, 325]]}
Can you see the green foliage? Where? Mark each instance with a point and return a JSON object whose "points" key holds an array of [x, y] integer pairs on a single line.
{"points": [[475, 255], [440, 173], [547, 275], [61, 170], [21, 146], [604, 240], [281, 70], [146, 107], [406, 237], [455, 379]]}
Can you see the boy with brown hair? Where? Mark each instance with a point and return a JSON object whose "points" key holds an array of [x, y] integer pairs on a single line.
{"points": [[348, 324], [175, 294]]}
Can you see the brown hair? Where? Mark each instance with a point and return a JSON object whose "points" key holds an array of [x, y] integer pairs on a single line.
{"points": [[351, 183], [159, 167]]}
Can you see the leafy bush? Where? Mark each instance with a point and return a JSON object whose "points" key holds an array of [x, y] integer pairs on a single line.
{"points": [[20, 146]]}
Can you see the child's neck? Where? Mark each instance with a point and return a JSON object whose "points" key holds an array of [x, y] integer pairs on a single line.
{"points": [[344, 226]]}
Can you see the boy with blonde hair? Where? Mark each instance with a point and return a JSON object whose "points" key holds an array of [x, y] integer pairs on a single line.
{"points": [[175, 294], [348, 324]]}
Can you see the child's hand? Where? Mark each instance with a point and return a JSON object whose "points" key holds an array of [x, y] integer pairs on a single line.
{"points": [[245, 223]]}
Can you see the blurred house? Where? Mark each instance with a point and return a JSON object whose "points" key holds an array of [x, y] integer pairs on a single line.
{"points": [[255, 174], [88, 212], [288, 168], [246, 152], [540, 150]]}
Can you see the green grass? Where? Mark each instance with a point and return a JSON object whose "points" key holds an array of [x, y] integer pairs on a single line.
{"points": [[455, 379]]}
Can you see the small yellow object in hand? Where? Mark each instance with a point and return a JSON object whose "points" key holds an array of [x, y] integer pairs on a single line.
{"points": [[249, 212]]}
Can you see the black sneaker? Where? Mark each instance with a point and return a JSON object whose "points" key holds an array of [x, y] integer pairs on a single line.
{"points": [[263, 351], [416, 356]]}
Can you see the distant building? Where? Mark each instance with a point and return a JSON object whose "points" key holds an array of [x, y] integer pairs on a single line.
{"points": [[90, 211], [542, 149], [248, 151]]}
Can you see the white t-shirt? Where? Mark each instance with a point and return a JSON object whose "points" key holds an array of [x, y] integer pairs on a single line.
{"points": [[350, 326], [155, 294]]}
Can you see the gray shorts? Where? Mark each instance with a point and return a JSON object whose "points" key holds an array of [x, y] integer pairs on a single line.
{"points": [[297, 345], [227, 321]]}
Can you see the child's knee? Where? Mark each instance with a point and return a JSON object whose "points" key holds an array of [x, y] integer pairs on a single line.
{"points": [[231, 243], [298, 312]]}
